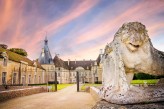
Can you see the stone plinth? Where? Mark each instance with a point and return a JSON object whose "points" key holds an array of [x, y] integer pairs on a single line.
{"points": [[106, 105]]}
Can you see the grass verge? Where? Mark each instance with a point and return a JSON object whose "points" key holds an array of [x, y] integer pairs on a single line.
{"points": [[59, 86], [151, 81]]}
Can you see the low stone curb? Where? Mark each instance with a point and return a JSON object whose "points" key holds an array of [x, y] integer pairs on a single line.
{"points": [[94, 92], [5, 95]]}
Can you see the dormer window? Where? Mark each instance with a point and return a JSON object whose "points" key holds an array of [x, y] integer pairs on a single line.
{"points": [[5, 58], [4, 62]]}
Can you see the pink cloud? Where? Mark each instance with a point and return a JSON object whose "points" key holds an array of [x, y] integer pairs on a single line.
{"points": [[53, 27], [19, 39], [134, 13], [87, 53], [6, 14], [153, 30], [91, 52], [73, 13], [139, 12]]}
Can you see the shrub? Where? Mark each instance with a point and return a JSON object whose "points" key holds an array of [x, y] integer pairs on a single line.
{"points": [[19, 51], [145, 76], [36, 84], [98, 82], [52, 82]]}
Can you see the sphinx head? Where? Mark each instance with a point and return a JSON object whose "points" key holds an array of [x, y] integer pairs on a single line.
{"points": [[133, 35]]}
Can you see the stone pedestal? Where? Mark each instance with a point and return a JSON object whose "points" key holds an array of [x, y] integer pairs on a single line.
{"points": [[106, 105]]}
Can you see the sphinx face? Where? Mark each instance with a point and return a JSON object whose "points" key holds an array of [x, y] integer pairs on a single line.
{"points": [[133, 39]]}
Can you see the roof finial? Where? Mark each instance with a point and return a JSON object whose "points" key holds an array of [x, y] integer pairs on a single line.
{"points": [[46, 40]]}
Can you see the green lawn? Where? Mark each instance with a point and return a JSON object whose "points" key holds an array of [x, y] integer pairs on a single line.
{"points": [[151, 81], [59, 86]]}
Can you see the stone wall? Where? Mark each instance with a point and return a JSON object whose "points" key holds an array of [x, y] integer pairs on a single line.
{"points": [[5, 95]]}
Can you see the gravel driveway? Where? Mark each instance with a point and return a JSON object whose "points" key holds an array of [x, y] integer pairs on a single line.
{"points": [[67, 98]]}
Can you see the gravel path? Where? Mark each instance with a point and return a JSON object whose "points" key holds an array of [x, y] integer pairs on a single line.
{"points": [[67, 98]]}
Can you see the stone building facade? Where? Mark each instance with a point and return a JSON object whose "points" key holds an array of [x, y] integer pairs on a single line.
{"points": [[17, 70], [89, 70]]}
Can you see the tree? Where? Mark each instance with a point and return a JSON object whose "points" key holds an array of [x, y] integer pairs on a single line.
{"points": [[19, 51]]}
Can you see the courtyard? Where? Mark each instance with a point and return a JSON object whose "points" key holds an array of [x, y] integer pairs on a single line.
{"points": [[67, 98]]}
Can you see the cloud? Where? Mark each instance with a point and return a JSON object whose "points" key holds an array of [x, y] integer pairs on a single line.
{"points": [[19, 39], [6, 14], [155, 29], [25, 29], [134, 13], [73, 13]]}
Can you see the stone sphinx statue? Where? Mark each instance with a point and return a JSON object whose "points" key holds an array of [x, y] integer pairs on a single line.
{"points": [[131, 51]]}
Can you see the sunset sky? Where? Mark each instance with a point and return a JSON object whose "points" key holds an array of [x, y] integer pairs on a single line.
{"points": [[76, 29]]}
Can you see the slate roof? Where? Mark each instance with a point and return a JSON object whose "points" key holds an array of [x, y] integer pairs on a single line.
{"points": [[18, 58], [59, 62], [45, 56], [98, 60], [86, 64]]}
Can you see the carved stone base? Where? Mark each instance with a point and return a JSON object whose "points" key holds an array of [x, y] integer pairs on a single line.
{"points": [[136, 95], [106, 105]]}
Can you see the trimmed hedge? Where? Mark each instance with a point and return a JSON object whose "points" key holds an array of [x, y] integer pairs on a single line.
{"points": [[98, 82], [52, 82], [37, 84], [143, 76]]}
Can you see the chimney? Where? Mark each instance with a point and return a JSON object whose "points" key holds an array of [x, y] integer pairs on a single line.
{"points": [[101, 51], [68, 61], [75, 61]]}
